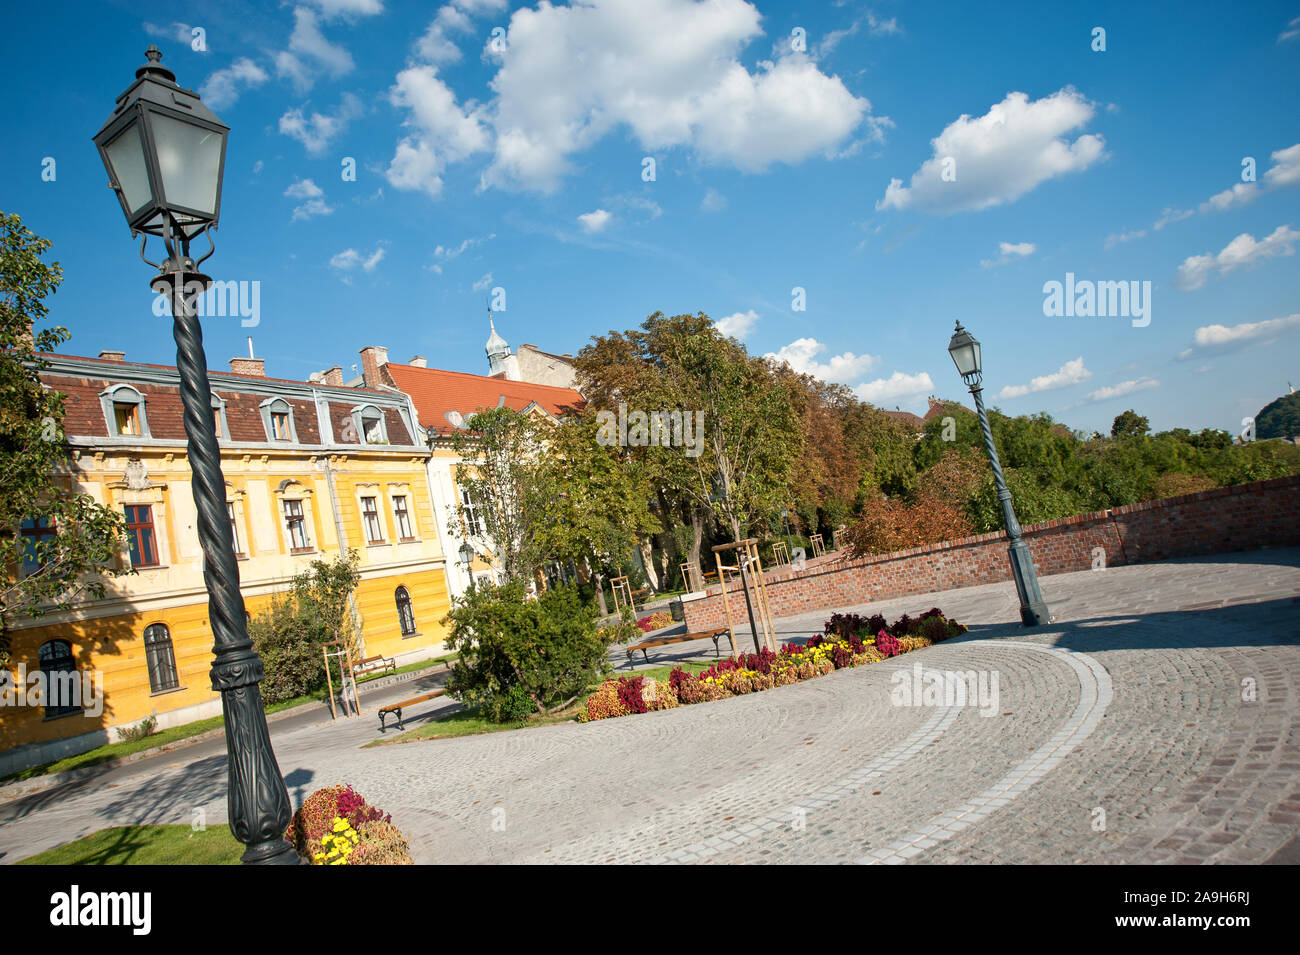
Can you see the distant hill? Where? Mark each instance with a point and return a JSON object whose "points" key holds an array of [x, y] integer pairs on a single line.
{"points": [[1280, 418]]}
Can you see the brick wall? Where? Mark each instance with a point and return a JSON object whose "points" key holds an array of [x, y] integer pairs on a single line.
{"points": [[1242, 517]]}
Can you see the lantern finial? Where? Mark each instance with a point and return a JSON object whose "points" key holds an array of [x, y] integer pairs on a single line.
{"points": [[154, 67]]}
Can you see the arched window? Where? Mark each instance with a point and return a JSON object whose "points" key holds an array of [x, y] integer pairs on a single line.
{"points": [[62, 693], [160, 658], [405, 615]]}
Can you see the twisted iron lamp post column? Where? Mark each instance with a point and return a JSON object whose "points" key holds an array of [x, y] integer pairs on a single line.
{"points": [[965, 351], [164, 151]]}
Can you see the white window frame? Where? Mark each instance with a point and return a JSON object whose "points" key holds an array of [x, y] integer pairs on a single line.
{"points": [[359, 415], [123, 394], [278, 405]]}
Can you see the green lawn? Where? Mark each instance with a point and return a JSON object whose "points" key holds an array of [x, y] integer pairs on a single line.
{"points": [[146, 845], [110, 751], [469, 723]]}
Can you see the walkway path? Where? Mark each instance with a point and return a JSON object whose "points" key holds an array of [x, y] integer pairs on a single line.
{"points": [[1157, 720]]}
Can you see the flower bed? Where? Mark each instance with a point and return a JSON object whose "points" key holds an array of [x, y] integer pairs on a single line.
{"points": [[656, 621], [336, 826], [848, 640]]}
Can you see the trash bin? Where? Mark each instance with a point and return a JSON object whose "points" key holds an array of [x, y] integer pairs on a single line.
{"points": [[675, 608]]}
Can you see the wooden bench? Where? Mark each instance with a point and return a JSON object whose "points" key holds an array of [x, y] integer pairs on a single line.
{"points": [[375, 663], [398, 707], [714, 635]]}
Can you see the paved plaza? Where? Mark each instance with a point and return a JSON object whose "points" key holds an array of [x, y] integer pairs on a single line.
{"points": [[1155, 720]]}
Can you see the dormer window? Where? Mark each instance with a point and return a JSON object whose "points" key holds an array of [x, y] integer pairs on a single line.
{"points": [[370, 425], [124, 412], [277, 417], [219, 416]]}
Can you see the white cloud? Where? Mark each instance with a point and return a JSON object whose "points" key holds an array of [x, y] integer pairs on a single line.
{"points": [[348, 8], [713, 201], [314, 204], [1116, 238], [801, 356], [1008, 252], [998, 157], [737, 325], [444, 133], [1239, 195], [595, 221], [1242, 252], [309, 51], [447, 253], [1071, 373], [180, 32], [1285, 170], [222, 88], [1291, 32], [1171, 215], [1228, 337], [1123, 388], [318, 130], [896, 386], [483, 283], [349, 259], [668, 71]]}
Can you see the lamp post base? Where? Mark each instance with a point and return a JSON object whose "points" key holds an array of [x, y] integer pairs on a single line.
{"points": [[1033, 609]]}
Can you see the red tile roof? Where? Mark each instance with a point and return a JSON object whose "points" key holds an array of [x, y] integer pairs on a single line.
{"points": [[436, 392]]}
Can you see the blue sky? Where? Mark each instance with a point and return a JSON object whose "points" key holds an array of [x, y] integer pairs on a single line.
{"points": [[521, 169]]}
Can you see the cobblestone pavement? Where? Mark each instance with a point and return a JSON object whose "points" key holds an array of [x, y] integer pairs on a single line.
{"points": [[1155, 720]]}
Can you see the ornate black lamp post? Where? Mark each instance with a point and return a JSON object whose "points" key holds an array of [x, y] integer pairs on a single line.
{"points": [[965, 352], [164, 151], [467, 555]]}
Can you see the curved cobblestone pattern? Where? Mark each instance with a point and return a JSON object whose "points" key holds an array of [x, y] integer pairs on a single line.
{"points": [[1196, 757]]}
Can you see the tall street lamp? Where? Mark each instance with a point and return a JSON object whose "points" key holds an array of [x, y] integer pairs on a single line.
{"points": [[164, 152], [965, 352]]}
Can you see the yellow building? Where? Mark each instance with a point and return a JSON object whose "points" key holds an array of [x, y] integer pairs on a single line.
{"points": [[311, 468]]}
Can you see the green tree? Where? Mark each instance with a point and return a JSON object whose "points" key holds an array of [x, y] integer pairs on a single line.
{"points": [[599, 507], [1129, 424], [291, 632], [1280, 418], [505, 473], [41, 571]]}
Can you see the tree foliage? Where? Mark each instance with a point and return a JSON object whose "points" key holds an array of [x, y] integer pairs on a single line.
{"points": [[1279, 418], [41, 572], [291, 632], [512, 650]]}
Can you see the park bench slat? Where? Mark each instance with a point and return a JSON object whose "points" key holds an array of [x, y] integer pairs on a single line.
{"points": [[715, 635], [398, 707]]}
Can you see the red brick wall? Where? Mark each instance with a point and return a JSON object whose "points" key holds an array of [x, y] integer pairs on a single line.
{"points": [[1242, 517]]}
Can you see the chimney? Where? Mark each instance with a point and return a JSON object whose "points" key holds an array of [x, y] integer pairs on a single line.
{"points": [[113, 355], [419, 361], [254, 367], [333, 376], [373, 357]]}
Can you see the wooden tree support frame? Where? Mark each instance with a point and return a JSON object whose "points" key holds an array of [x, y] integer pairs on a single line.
{"points": [[780, 555], [620, 586], [818, 545], [347, 678], [749, 566], [692, 577]]}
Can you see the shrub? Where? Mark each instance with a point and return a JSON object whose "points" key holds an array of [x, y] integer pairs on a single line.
{"points": [[291, 631], [380, 843], [606, 702], [548, 647], [655, 621], [145, 728], [516, 705], [933, 629]]}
